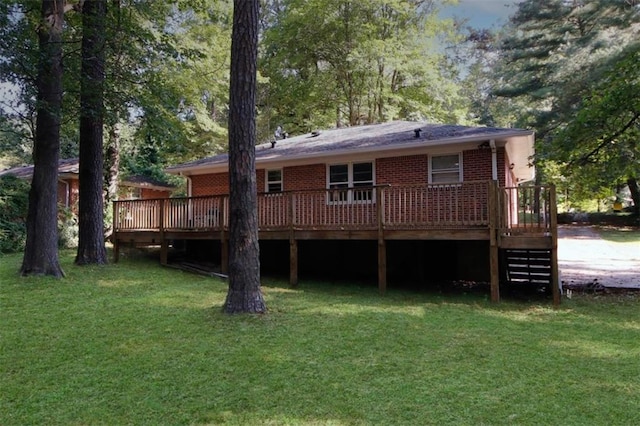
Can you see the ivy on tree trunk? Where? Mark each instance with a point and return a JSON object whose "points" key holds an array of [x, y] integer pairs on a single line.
{"points": [[244, 295]]}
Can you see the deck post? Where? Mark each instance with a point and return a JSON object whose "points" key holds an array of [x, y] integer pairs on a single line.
{"points": [[553, 224], [382, 245], [164, 244], [114, 233], [494, 228], [224, 242], [293, 262], [293, 244], [224, 252]]}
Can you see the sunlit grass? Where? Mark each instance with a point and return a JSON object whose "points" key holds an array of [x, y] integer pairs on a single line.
{"points": [[627, 235], [135, 343]]}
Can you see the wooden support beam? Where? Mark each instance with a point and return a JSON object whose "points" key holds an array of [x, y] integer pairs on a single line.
{"points": [[116, 249], [382, 244], [224, 253], [553, 224], [494, 226], [382, 266], [164, 252], [293, 262]]}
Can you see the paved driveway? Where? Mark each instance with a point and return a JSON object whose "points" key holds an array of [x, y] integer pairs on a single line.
{"points": [[584, 258]]}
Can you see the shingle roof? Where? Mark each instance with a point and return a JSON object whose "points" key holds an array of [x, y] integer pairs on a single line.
{"points": [[362, 138], [69, 165], [139, 181]]}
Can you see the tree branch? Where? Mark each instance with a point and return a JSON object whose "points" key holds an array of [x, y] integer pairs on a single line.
{"points": [[585, 159]]}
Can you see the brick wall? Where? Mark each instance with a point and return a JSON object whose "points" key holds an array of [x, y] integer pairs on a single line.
{"points": [[149, 194], [406, 170], [62, 193], [299, 178], [211, 184]]}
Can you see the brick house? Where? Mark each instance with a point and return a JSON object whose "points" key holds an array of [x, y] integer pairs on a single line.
{"points": [[138, 187], [373, 199]]}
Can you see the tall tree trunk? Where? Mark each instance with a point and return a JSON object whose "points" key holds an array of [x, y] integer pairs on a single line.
{"points": [[244, 293], [635, 195], [91, 247], [41, 251], [112, 163]]}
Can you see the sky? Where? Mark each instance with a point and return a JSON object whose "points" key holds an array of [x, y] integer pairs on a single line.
{"points": [[482, 13]]}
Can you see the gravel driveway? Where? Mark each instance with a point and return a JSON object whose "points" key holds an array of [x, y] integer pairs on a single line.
{"points": [[585, 258]]}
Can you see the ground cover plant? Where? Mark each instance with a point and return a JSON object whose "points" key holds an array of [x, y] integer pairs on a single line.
{"points": [[135, 343]]}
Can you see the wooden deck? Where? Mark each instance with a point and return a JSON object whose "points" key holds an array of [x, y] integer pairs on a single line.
{"points": [[509, 218]]}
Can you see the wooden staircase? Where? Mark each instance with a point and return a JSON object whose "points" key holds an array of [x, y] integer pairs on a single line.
{"points": [[527, 267]]}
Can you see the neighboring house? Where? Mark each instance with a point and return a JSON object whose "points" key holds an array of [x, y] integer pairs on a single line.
{"points": [[144, 188], [67, 179], [68, 183], [438, 196]]}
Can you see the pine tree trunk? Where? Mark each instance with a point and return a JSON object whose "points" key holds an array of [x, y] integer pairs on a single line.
{"points": [[244, 295], [41, 251], [635, 195], [112, 170], [91, 247]]}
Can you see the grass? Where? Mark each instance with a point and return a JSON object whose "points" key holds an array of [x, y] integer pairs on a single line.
{"points": [[627, 235], [134, 343]]}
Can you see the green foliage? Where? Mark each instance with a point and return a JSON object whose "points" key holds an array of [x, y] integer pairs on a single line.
{"points": [[330, 61], [67, 228], [14, 201], [134, 343], [568, 65], [603, 139]]}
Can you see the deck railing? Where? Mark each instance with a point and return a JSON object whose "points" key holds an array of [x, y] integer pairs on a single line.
{"points": [[527, 209], [458, 205]]}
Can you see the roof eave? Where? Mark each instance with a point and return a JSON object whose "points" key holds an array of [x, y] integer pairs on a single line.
{"points": [[420, 144]]}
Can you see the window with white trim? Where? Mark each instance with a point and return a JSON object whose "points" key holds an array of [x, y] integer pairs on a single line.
{"points": [[352, 175], [445, 168], [274, 180]]}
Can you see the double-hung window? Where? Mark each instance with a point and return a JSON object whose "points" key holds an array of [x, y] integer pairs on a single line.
{"points": [[274, 180], [351, 182], [445, 169]]}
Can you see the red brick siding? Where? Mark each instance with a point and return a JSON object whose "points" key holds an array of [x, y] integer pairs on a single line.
{"points": [[300, 178], [261, 179], [211, 184], [62, 193], [149, 194], [405, 170], [477, 164], [68, 193]]}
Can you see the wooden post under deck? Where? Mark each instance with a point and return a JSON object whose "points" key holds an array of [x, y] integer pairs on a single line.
{"points": [[553, 224], [293, 262], [382, 245], [114, 234], [164, 243], [293, 246], [224, 252], [494, 226]]}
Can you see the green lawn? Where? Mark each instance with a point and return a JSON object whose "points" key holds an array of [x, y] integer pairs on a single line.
{"points": [[134, 343], [628, 235]]}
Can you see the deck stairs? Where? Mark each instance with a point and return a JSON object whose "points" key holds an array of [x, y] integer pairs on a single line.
{"points": [[527, 267]]}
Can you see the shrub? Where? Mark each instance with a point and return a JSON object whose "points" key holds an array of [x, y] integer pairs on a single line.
{"points": [[67, 228], [14, 201]]}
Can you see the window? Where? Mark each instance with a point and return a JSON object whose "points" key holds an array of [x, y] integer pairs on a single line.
{"points": [[352, 175], [445, 169], [274, 180]]}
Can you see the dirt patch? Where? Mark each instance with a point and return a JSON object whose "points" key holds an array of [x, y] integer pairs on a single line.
{"points": [[587, 261]]}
